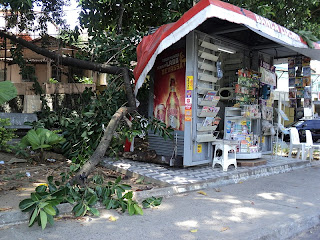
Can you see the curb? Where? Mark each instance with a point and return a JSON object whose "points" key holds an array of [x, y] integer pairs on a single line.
{"points": [[289, 230], [17, 217]]}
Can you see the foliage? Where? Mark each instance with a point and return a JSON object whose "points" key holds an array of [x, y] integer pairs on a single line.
{"points": [[7, 91], [26, 71], [53, 80], [114, 195], [22, 14], [83, 128], [295, 15], [42, 206], [6, 134], [85, 80], [151, 202], [40, 139]]}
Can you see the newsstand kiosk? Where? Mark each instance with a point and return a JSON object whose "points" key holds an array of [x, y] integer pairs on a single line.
{"points": [[212, 78]]}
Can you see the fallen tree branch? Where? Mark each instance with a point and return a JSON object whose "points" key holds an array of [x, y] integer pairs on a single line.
{"points": [[99, 153]]}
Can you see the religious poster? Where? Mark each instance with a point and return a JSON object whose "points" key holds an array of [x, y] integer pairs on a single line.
{"points": [[169, 88]]}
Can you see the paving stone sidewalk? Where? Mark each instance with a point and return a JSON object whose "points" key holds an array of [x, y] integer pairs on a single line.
{"points": [[183, 176]]}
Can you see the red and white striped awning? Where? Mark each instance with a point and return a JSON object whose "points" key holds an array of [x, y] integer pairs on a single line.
{"points": [[167, 35]]}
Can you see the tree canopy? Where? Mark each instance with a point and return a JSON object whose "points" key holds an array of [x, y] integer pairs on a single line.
{"points": [[115, 27], [298, 16]]}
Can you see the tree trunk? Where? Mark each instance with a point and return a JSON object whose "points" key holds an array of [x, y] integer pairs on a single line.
{"points": [[98, 154], [64, 60]]}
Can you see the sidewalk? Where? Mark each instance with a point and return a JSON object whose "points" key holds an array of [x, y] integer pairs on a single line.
{"points": [[272, 207]]}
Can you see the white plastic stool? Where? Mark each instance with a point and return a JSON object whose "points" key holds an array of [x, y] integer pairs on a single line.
{"points": [[226, 158]]}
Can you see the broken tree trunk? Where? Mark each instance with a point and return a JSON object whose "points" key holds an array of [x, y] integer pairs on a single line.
{"points": [[98, 154]]}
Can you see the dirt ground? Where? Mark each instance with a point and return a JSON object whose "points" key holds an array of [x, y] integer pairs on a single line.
{"points": [[19, 177]]}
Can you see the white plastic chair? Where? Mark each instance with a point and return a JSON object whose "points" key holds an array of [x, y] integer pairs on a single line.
{"points": [[295, 143], [310, 144]]}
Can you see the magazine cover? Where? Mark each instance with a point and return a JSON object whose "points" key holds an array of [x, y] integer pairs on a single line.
{"points": [[306, 61], [300, 93], [299, 82], [306, 71], [208, 121], [307, 92], [293, 103], [292, 93], [291, 62], [291, 72], [307, 103], [292, 82], [306, 81]]}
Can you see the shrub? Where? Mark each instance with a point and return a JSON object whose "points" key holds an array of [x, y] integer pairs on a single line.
{"points": [[6, 134], [40, 139]]}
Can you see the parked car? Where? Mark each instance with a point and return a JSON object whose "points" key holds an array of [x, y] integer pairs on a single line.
{"points": [[313, 125]]}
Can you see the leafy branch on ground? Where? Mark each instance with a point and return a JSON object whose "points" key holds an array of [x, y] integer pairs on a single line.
{"points": [[43, 203]]}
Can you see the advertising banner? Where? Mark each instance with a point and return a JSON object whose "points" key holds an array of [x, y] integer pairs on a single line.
{"points": [[169, 88]]}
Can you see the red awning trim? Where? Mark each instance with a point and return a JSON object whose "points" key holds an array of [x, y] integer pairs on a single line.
{"points": [[168, 34]]}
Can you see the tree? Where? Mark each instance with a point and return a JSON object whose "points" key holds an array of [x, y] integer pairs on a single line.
{"points": [[298, 16]]}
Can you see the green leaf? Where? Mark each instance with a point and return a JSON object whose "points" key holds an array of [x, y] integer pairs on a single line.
{"points": [[138, 209], [44, 219], [151, 202], [117, 180], [125, 186], [131, 209], [50, 219], [7, 91], [41, 188], [42, 204], [50, 179], [26, 204], [99, 191], [94, 211], [50, 210], [33, 216], [76, 208], [35, 197], [119, 192], [52, 188], [93, 199], [108, 203], [33, 138], [128, 195], [88, 114], [81, 211]]}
